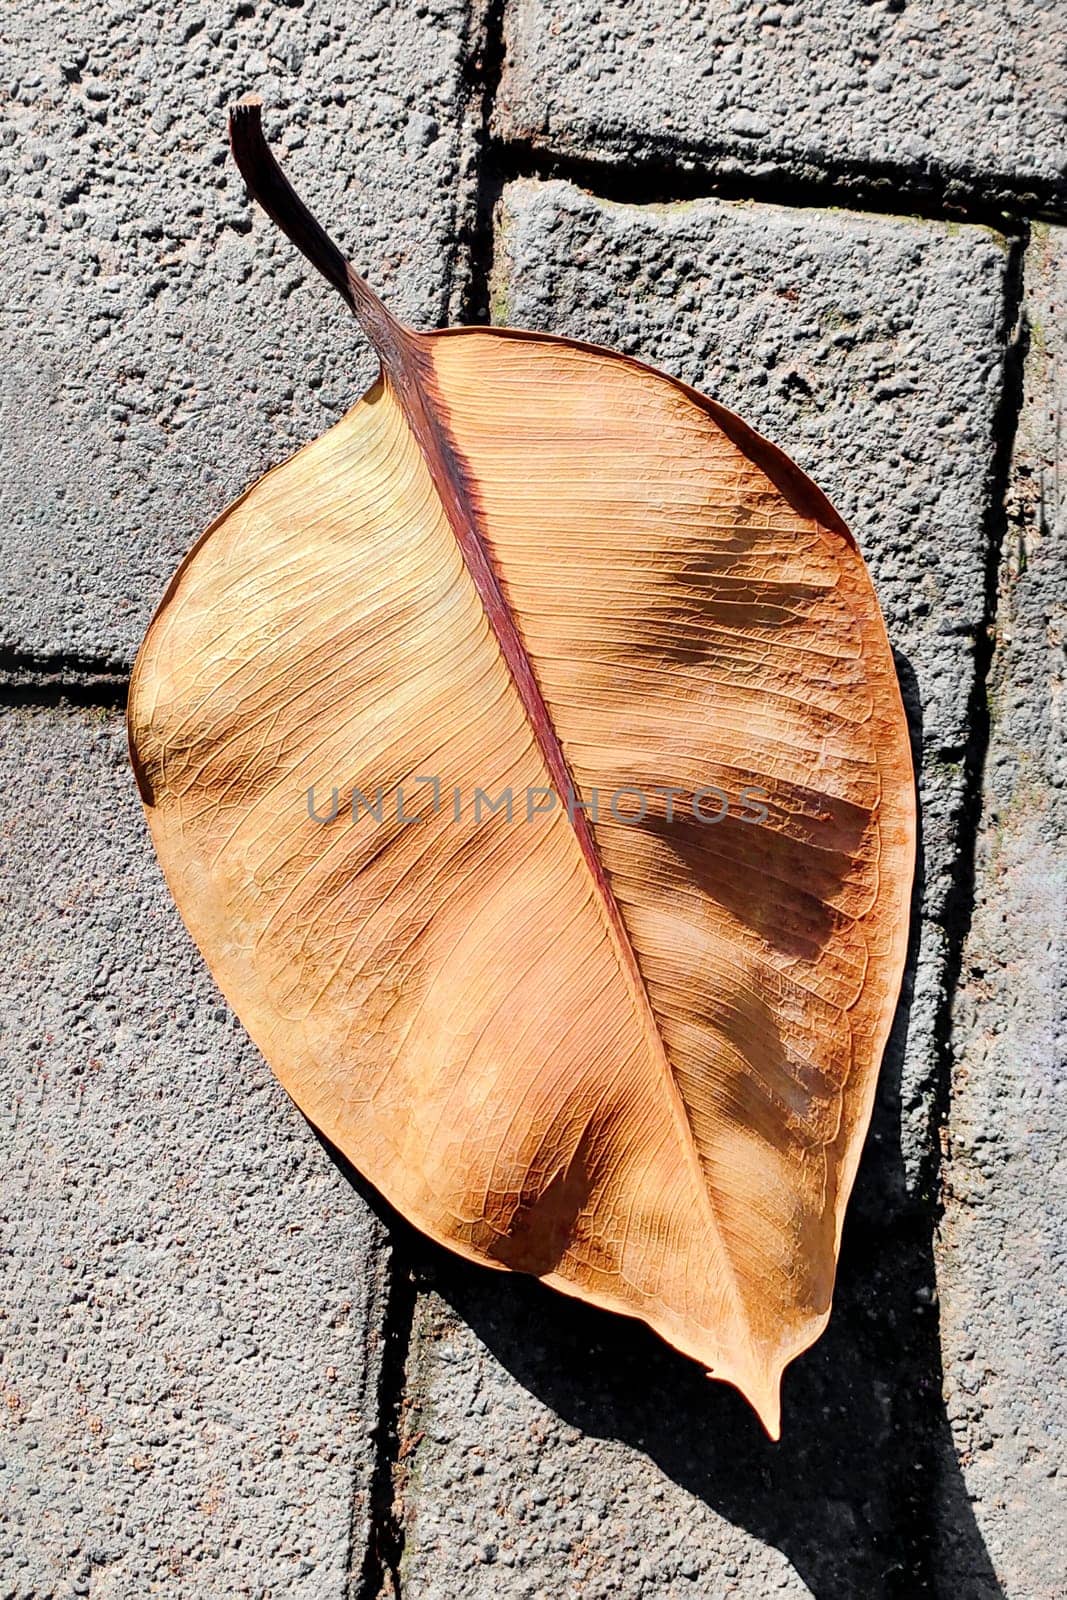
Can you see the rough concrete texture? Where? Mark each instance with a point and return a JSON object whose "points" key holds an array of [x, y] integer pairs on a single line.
{"points": [[192, 1292], [871, 349], [194, 1307], [950, 101], [163, 346], [509, 1496], [548, 1451], [1003, 1251]]}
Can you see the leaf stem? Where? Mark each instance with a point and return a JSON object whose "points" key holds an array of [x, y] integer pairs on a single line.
{"points": [[267, 184]]}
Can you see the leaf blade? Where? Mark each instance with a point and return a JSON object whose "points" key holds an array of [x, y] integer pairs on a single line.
{"points": [[637, 1060]]}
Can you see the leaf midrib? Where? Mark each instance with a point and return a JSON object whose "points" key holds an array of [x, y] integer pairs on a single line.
{"points": [[452, 480]]}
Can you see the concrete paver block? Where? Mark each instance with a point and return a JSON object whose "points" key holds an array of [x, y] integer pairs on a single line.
{"points": [[871, 349], [1003, 1250], [549, 1450], [957, 102], [192, 1295], [508, 1497], [163, 344]]}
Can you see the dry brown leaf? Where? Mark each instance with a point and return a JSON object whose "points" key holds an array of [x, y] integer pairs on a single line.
{"points": [[634, 1058]]}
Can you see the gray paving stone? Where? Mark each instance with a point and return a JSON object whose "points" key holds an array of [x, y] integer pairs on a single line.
{"points": [[508, 1499], [191, 1294], [959, 101], [1003, 1251], [157, 356], [871, 349], [550, 1450]]}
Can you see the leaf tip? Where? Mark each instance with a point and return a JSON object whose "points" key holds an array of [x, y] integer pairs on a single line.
{"points": [[770, 1414], [766, 1401], [764, 1395]]}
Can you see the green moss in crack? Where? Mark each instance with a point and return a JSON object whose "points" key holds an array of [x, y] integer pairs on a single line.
{"points": [[500, 271], [499, 306]]}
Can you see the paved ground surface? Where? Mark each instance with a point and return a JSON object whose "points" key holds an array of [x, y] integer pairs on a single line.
{"points": [[225, 1370], [963, 101]]}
